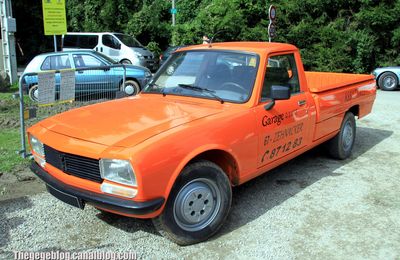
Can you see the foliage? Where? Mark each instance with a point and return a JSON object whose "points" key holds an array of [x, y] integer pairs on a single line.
{"points": [[333, 35], [9, 134]]}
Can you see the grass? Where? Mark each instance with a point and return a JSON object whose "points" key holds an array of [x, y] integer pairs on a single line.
{"points": [[10, 142], [10, 161]]}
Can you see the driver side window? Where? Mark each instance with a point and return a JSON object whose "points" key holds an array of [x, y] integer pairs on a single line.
{"points": [[281, 71]]}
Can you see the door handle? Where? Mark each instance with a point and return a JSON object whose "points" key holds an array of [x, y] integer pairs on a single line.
{"points": [[80, 71], [301, 102]]}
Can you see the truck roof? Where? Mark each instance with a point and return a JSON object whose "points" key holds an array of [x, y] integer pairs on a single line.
{"points": [[244, 46]]}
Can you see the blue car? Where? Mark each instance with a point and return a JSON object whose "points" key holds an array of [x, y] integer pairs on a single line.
{"points": [[87, 81], [387, 78]]}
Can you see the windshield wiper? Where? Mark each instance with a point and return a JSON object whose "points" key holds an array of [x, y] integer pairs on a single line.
{"points": [[152, 85], [200, 89]]}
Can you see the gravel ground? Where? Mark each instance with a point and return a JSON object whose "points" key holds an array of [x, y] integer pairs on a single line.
{"points": [[311, 207]]}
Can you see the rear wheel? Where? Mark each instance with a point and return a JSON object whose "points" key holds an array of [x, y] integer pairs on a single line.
{"points": [[197, 206], [341, 145], [34, 93], [388, 81], [130, 88]]}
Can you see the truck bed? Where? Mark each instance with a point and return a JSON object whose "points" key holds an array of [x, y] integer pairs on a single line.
{"points": [[324, 81], [336, 93]]}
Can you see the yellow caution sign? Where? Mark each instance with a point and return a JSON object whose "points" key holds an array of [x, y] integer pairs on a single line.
{"points": [[54, 18], [253, 62]]}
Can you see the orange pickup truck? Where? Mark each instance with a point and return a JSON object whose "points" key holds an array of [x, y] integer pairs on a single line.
{"points": [[213, 117]]}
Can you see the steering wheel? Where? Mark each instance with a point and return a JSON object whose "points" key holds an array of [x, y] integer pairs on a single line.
{"points": [[228, 85]]}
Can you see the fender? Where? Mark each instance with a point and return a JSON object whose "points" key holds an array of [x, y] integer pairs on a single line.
{"points": [[192, 155]]}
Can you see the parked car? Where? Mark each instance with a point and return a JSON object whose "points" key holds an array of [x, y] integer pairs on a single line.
{"points": [[387, 78], [165, 55], [86, 80], [120, 47]]}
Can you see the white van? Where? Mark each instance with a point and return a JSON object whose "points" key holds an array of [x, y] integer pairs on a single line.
{"points": [[122, 48]]}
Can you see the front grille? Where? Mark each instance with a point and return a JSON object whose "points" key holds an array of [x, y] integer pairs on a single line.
{"points": [[79, 166]]}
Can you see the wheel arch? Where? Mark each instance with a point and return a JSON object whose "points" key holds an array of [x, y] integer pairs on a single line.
{"points": [[220, 156], [355, 110], [131, 78], [224, 160], [125, 59]]}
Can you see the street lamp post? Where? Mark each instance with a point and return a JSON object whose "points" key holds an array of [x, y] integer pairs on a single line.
{"points": [[173, 11]]}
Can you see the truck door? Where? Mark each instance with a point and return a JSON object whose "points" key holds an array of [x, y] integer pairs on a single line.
{"points": [[282, 129]]}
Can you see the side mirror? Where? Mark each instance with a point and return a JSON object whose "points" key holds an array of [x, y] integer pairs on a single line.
{"points": [[277, 93], [280, 92]]}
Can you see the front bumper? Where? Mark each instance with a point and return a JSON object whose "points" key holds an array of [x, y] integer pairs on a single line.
{"points": [[68, 194]]}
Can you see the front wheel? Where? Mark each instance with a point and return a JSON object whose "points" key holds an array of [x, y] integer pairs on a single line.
{"points": [[341, 145], [130, 88], [198, 205], [388, 81], [34, 93], [126, 62]]}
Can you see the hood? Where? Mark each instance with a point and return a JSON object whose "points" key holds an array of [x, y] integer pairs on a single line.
{"points": [[126, 122], [143, 51]]}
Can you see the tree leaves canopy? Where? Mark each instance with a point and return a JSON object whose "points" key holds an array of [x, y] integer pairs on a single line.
{"points": [[333, 35]]}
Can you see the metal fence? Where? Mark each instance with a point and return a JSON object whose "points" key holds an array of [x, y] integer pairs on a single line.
{"points": [[47, 93]]}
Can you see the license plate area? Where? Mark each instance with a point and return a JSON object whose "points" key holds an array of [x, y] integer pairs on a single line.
{"points": [[67, 198]]}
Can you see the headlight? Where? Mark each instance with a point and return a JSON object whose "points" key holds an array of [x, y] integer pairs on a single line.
{"points": [[140, 56], [148, 74], [36, 146], [119, 171], [38, 150]]}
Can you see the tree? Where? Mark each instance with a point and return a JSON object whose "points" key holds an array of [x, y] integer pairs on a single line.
{"points": [[333, 35]]}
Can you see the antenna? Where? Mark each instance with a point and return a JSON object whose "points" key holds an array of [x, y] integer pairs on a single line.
{"points": [[215, 34]]}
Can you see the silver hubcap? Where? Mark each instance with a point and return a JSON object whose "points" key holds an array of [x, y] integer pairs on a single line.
{"points": [[389, 82], [130, 89], [197, 204], [36, 93], [347, 136]]}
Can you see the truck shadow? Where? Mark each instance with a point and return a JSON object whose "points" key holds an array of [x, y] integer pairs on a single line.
{"points": [[256, 197], [127, 224]]}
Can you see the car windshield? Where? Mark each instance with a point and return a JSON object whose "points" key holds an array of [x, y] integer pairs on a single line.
{"points": [[108, 59], [128, 40], [221, 75]]}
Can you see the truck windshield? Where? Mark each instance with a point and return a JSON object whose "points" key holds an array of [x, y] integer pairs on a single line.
{"points": [[227, 76], [128, 40]]}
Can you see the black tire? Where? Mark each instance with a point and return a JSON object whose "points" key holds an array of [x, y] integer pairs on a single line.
{"points": [[33, 93], [202, 191], [341, 145], [131, 88], [388, 81], [126, 62]]}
